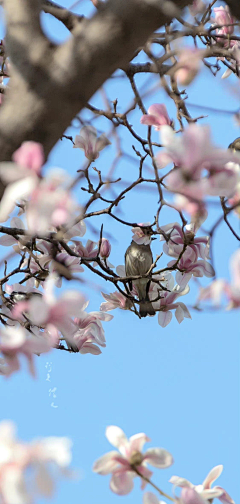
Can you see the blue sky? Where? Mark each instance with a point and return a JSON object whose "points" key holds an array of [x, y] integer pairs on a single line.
{"points": [[179, 385]]}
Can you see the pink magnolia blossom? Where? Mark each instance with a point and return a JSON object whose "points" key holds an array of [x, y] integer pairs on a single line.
{"points": [[204, 491], [141, 236], [15, 341], [223, 18], [214, 291], [57, 312], [169, 302], [220, 287], [188, 262], [78, 229], [21, 176], [21, 182], [188, 65], [71, 263], [88, 141], [30, 155], [196, 209], [26, 468], [115, 300], [50, 204], [191, 266], [157, 116], [9, 240], [234, 49], [90, 334], [123, 465], [105, 248], [90, 251], [177, 239], [192, 153]]}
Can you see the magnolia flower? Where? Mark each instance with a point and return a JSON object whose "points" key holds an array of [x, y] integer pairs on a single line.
{"points": [[192, 153], [205, 491], [57, 312], [235, 51], [30, 155], [90, 332], [17, 340], [9, 240], [168, 302], [189, 266], [88, 141], [20, 177], [223, 18], [157, 116], [177, 238], [90, 251], [214, 291], [115, 300], [188, 65], [105, 248], [151, 498], [26, 468], [50, 205], [130, 462], [219, 287], [142, 236]]}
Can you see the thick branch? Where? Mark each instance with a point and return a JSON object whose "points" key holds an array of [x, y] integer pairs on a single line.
{"points": [[66, 17], [234, 5], [51, 85]]}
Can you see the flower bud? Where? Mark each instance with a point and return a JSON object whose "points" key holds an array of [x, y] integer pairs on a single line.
{"points": [[105, 248]]}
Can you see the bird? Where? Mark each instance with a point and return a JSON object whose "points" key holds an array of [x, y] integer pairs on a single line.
{"points": [[235, 145], [138, 261]]}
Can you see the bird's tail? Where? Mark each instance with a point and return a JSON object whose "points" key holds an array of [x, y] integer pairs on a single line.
{"points": [[146, 308]]}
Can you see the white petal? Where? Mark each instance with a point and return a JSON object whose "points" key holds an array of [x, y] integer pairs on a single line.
{"points": [[158, 457], [150, 498], [122, 482], [212, 476], [116, 436], [180, 482], [106, 464], [13, 193], [179, 314], [137, 442], [164, 318]]}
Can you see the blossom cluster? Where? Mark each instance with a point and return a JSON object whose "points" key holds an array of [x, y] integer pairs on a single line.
{"points": [[129, 462], [41, 459]]}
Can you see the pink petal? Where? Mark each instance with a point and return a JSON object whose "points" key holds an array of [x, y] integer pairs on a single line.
{"points": [[102, 142], [150, 498], [225, 497], [122, 482], [149, 120], [158, 457], [163, 159], [179, 314], [90, 348], [190, 496], [137, 442], [164, 318], [212, 476], [30, 155], [106, 464], [7, 240], [180, 482]]}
